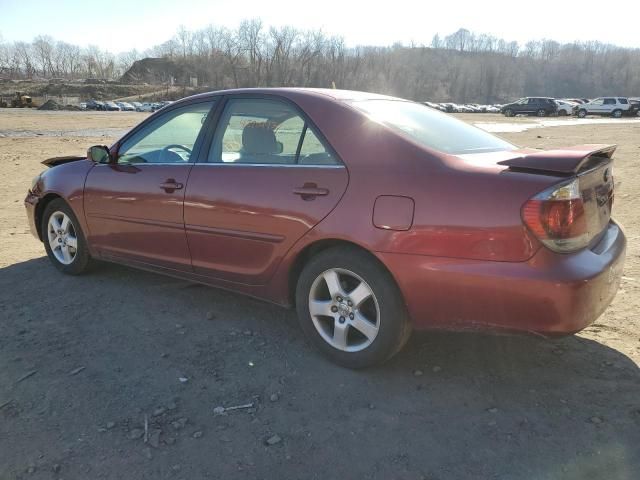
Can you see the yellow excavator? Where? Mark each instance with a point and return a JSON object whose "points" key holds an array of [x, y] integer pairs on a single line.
{"points": [[19, 101]]}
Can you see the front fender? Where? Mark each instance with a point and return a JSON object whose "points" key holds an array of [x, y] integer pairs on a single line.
{"points": [[64, 181]]}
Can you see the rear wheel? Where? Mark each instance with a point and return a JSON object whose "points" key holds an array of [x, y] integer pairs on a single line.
{"points": [[350, 308], [617, 113], [63, 239], [582, 113], [541, 113]]}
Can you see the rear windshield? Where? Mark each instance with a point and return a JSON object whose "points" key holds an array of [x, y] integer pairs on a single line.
{"points": [[434, 129]]}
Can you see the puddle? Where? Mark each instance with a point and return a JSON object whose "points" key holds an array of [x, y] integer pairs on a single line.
{"points": [[500, 127], [85, 132]]}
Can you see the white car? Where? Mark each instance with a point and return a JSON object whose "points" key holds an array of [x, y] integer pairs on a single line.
{"points": [[565, 107], [610, 106], [145, 107]]}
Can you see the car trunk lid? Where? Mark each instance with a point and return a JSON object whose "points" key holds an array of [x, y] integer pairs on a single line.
{"points": [[590, 165]]}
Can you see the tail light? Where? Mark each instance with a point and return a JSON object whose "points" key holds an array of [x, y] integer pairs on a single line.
{"points": [[557, 217]]}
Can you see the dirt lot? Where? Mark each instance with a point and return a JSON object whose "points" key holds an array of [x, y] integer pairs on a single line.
{"points": [[84, 361]]}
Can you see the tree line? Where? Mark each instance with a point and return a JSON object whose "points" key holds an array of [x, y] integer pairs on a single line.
{"points": [[460, 67]]}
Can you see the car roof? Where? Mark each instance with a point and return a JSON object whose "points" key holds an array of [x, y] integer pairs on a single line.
{"points": [[334, 94]]}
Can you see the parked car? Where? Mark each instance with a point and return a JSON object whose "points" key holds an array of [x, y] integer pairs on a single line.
{"points": [[451, 107], [145, 107], [136, 106], [566, 108], [111, 106], [82, 105], [608, 106], [126, 107], [634, 106], [371, 215], [95, 105], [540, 106]]}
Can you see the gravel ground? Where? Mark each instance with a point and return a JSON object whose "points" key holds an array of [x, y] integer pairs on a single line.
{"points": [[87, 362]]}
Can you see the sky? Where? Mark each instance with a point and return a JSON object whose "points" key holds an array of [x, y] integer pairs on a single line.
{"points": [[122, 25]]}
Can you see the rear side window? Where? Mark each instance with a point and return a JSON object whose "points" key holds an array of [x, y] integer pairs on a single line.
{"points": [[431, 128], [623, 101], [266, 132]]}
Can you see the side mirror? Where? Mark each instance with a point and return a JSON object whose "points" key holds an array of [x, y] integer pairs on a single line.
{"points": [[98, 154]]}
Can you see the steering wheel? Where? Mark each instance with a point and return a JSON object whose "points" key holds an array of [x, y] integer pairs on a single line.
{"points": [[168, 148]]}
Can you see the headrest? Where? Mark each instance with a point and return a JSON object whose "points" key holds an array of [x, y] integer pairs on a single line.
{"points": [[258, 138]]}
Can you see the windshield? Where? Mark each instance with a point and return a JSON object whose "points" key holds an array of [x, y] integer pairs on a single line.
{"points": [[434, 129]]}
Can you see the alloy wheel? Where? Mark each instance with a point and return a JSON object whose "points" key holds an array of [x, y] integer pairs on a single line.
{"points": [[344, 310], [62, 237]]}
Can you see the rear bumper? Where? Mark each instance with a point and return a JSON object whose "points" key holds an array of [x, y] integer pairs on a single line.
{"points": [[30, 204], [549, 294]]}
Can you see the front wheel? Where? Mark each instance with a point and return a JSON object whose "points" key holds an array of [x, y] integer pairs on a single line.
{"points": [[542, 112], [616, 114], [63, 239], [351, 309], [508, 112], [582, 113]]}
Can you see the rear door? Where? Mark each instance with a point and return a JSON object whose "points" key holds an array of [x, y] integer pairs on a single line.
{"points": [[269, 177], [609, 105], [134, 206]]}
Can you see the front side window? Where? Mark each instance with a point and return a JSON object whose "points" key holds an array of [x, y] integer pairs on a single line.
{"points": [[168, 139], [266, 132], [597, 101], [431, 128], [609, 101]]}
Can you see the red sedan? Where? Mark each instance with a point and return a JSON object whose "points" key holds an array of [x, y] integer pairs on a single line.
{"points": [[371, 215]]}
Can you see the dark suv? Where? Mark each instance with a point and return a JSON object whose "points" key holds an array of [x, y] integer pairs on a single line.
{"points": [[540, 106]]}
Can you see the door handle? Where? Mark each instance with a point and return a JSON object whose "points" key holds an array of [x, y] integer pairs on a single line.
{"points": [[309, 191], [170, 185]]}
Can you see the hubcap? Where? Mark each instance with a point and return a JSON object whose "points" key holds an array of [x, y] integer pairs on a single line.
{"points": [[344, 310], [62, 238]]}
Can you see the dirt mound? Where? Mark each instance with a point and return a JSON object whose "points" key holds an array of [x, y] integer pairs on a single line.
{"points": [[155, 71], [49, 105]]}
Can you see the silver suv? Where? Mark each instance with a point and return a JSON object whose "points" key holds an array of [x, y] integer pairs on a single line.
{"points": [[610, 106]]}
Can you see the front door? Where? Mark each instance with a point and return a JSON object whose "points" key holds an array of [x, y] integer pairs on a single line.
{"points": [[134, 205], [597, 106], [268, 179]]}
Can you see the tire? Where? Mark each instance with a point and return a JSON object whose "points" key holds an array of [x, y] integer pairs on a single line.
{"points": [[562, 113], [362, 293], [76, 260], [582, 113], [541, 113], [617, 113], [508, 112]]}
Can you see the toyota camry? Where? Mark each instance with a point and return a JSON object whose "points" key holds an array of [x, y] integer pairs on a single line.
{"points": [[368, 214]]}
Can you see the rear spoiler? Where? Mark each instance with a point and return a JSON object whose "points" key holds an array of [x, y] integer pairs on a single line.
{"points": [[569, 160], [52, 162]]}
